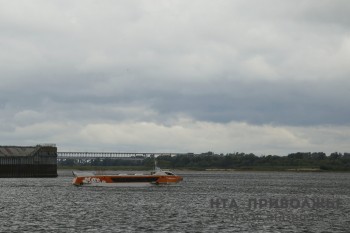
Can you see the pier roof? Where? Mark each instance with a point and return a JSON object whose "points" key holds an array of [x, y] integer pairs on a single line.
{"points": [[10, 151]]}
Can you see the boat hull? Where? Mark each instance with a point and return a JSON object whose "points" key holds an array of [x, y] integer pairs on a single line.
{"points": [[126, 180]]}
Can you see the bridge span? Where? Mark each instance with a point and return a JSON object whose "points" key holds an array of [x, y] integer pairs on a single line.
{"points": [[109, 155]]}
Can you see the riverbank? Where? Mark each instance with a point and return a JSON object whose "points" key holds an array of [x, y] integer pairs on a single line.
{"points": [[146, 168]]}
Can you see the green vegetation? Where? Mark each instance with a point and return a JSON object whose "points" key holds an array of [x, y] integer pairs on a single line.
{"points": [[301, 161]]}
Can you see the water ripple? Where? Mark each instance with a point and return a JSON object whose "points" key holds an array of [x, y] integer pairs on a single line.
{"points": [[54, 205]]}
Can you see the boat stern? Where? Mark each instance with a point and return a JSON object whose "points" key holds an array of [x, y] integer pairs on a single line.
{"points": [[78, 181], [169, 179]]}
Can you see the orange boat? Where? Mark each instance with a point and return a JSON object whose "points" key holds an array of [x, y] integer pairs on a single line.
{"points": [[157, 177]]}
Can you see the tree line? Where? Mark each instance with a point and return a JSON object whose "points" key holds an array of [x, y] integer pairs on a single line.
{"points": [[210, 160]]}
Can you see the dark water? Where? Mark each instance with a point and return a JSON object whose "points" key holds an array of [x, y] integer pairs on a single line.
{"points": [[195, 205]]}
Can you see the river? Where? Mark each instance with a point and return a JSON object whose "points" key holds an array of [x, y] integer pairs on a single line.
{"points": [[214, 201]]}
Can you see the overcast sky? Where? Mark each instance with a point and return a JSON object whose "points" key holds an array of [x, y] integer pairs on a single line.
{"points": [[267, 77]]}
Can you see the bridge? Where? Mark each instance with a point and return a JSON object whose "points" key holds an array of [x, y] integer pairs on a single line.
{"points": [[109, 155]]}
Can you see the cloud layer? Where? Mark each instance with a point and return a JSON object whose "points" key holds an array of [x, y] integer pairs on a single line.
{"points": [[180, 76]]}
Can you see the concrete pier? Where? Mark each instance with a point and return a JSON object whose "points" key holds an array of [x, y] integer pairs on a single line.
{"points": [[31, 161]]}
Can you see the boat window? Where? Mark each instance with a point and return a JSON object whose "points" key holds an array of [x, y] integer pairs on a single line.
{"points": [[131, 179], [169, 173]]}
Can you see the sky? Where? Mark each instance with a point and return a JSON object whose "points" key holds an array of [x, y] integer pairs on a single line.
{"points": [[263, 77]]}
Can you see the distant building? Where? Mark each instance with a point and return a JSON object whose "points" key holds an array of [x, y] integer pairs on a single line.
{"points": [[28, 161]]}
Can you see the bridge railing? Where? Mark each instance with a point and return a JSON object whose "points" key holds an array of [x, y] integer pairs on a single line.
{"points": [[112, 155]]}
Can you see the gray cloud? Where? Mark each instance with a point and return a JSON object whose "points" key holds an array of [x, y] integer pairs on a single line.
{"points": [[277, 63], [259, 102]]}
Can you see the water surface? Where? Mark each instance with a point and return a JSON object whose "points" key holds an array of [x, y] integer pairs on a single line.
{"points": [[54, 205]]}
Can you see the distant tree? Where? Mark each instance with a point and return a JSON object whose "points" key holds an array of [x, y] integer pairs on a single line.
{"points": [[319, 155], [335, 155]]}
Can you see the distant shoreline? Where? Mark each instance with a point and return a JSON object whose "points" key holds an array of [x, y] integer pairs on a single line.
{"points": [[241, 169], [295, 162]]}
